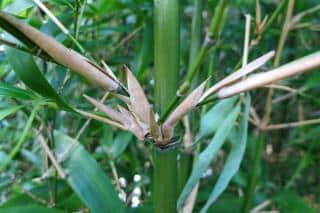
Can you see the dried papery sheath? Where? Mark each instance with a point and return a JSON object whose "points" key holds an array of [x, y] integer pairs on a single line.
{"points": [[138, 101], [61, 54], [237, 75], [189, 103], [154, 127], [111, 113], [293, 68], [132, 124]]}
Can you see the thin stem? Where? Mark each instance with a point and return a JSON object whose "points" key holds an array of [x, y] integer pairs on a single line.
{"points": [[275, 15], [211, 38], [254, 175], [283, 37]]}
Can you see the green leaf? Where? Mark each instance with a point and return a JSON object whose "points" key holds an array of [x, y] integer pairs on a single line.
{"points": [[8, 90], [206, 156], [290, 202], [17, 7], [234, 159], [28, 71], [215, 116], [21, 140], [8, 111], [30, 209], [86, 177], [120, 143]]}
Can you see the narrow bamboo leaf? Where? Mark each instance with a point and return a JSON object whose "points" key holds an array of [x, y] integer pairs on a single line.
{"points": [[30, 209], [215, 116], [8, 90], [234, 159], [120, 143], [28, 71], [8, 111], [208, 154], [21, 140], [86, 177]]}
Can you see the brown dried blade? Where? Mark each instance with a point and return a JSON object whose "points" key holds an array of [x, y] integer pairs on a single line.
{"points": [[238, 74], [138, 100], [185, 107], [61, 54], [294, 68], [132, 124], [113, 114]]}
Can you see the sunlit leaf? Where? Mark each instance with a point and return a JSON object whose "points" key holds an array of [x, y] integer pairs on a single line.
{"points": [[215, 116], [234, 159], [207, 155]]}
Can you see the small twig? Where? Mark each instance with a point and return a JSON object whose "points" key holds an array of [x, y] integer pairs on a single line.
{"points": [[35, 197], [115, 175], [261, 206], [283, 37], [85, 125], [102, 119], [189, 205], [292, 124], [51, 157], [51, 16], [246, 41], [255, 115], [281, 87], [187, 138]]}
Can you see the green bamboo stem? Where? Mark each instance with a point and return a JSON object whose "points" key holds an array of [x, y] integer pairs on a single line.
{"points": [[211, 38], [166, 38], [186, 158], [254, 175]]}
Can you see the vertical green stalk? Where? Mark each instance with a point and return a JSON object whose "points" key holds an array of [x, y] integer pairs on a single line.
{"points": [[254, 175], [166, 38], [186, 158]]}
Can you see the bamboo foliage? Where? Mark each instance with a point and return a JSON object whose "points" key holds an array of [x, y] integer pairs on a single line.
{"points": [[139, 117]]}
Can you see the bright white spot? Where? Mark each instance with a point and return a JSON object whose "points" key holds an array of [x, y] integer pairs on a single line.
{"points": [[123, 182], [137, 178], [269, 149], [1, 48], [207, 173], [136, 191], [122, 195], [135, 201]]}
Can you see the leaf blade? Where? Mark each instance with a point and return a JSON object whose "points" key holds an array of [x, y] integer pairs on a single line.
{"points": [[208, 154], [234, 159], [86, 177]]}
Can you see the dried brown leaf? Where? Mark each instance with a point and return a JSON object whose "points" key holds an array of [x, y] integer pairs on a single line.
{"points": [[185, 107], [238, 74], [63, 55], [154, 127], [138, 100], [113, 114], [132, 124], [294, 68]]}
